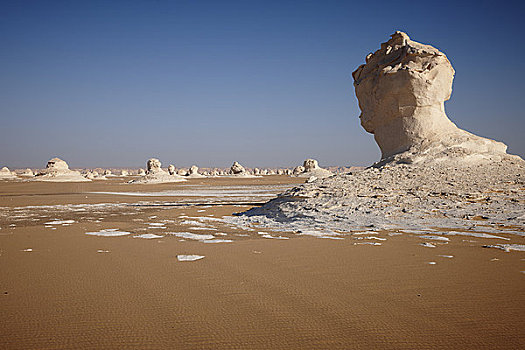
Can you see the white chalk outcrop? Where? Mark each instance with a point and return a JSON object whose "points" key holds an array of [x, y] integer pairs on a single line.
{"points": [[402, 89], [432, 174], [194, 172], [237, 169], [311, 168], [155, 174], [171, 169], [6, 174], [57, 170], [27, 173]]}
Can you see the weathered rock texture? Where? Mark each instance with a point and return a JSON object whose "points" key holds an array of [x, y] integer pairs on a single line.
{"points": [[433, 176], [401, 90], [194, 172], [237, 169], [57, 170], [311, 168], [155, 174]]}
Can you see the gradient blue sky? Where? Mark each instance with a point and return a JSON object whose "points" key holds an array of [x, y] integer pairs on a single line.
{"points": [[267, 83]]}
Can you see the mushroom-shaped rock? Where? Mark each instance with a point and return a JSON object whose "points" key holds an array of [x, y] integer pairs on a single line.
{"points": [[402, 89], [57, 170], [171, 169]]}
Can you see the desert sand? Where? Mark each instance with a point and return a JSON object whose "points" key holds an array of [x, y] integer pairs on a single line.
{"points": [[63, 288]]}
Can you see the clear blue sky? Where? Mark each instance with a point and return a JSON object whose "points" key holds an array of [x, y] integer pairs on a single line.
{"points": [[266, 83]]}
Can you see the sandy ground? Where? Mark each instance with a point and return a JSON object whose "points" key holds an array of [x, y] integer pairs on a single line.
{"points": [[74, 290]]}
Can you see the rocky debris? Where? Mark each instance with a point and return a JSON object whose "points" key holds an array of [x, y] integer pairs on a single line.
{"points": [[194, 172], [155, 174], [404, 196], [401, 90], [58, 170], [6, 174], [171, 169], [431, 175]]}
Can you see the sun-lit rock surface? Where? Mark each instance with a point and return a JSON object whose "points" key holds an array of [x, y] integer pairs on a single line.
{"points": [[402, 89], [155, 174], [311, 168], [194, 172], [57, 170], [6, 174], [432, 174]]}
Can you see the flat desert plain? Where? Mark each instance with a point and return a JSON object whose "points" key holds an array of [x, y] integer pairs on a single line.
{"points": [[109, 265]]}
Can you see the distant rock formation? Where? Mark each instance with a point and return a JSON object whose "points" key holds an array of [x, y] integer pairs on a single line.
{"points": [[194, 172], [155, 174], [6, 174], [237, 169], [402, 89], [311, 168], [57, 170], [141, 172], [298, 170], [124, 172], [27, 173], [171, 169]]}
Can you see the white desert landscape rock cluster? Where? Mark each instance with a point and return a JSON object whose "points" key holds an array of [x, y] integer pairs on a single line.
{"points": [[155, 174], [57, 170], [432, 174]]}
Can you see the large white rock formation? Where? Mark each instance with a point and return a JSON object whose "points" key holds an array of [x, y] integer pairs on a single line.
{"points": [[402, 89], [57, 170], [432, 174], [155, 174], [171, 169]]}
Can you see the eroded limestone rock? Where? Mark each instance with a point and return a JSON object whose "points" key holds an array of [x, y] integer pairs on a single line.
{"points": [[402, 89], [237, 169], [6, 174], [194, 172], [57, 170], [155, 174]]}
